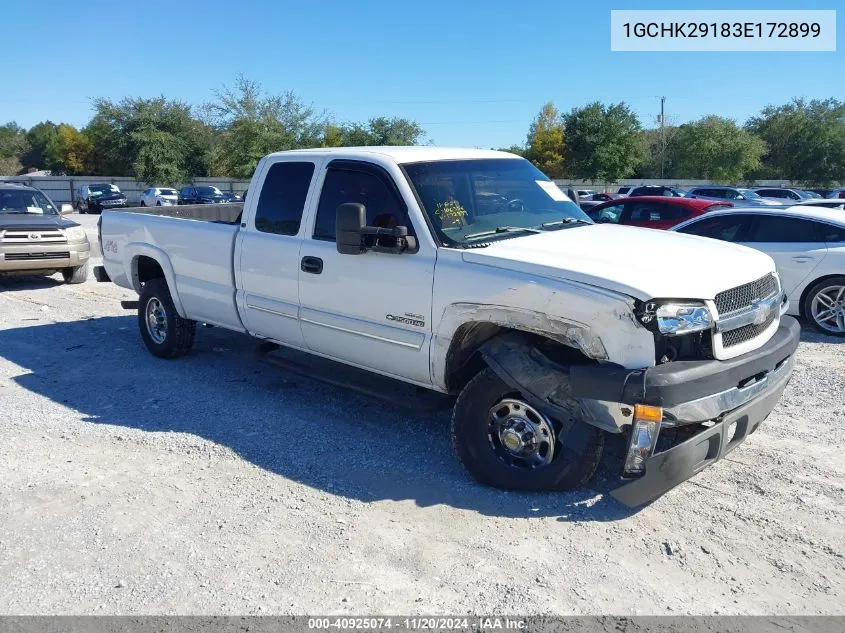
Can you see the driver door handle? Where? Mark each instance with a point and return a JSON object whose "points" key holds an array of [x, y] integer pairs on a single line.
{"points": [[313, 265], [802, 259]]}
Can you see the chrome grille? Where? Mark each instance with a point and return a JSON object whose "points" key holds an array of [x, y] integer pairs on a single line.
{"points": [[744, 296], [747, 332], [28, 236], [22, 257]]}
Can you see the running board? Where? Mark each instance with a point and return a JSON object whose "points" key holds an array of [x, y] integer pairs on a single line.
{"points": [[395, 392]]}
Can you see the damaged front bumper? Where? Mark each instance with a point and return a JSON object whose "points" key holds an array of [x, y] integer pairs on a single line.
{"points": [[718, 404], [724, 401]]}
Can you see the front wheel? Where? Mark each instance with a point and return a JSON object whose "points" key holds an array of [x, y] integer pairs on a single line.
{"points": [[506, 442], [824, 306], [164, 332], [75, 275]]}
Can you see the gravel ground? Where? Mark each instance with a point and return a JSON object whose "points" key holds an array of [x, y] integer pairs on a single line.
{"points": [[218, 485]]}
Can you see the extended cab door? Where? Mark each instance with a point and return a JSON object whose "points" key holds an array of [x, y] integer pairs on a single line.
{"points": [[267, 252], [371, 310]]}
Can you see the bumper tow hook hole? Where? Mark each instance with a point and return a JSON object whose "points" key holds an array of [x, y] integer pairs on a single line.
{"points": [[751, 380]]}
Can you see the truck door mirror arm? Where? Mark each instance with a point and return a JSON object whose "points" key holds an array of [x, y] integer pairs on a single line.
{"points": [[351, 227]]}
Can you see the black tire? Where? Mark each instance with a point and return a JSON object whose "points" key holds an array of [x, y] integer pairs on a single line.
{"points": [[815, 290], [143, 204], [576, 457], [158, 203], [75, 275], [178, 337]]}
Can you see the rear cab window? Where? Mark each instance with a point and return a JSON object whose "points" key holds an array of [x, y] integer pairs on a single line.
{"points": [[282, 198]]}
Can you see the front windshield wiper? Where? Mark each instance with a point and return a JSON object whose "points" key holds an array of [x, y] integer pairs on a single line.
{"points": [[501, 229], [548, 225]]}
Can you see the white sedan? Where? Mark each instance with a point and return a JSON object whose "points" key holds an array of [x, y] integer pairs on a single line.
{"points": [[808, 246], [159, 197]]}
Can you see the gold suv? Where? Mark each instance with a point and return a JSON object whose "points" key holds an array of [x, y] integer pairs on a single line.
{"points": [[35, 238]]}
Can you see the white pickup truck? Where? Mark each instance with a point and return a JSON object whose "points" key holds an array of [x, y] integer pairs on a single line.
{"points": [[468, 272]]}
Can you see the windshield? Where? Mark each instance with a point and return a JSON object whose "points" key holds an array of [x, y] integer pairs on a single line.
{"points": [[26, 202], [748, 194], [208, 191], [468, 201], [98, 190]]}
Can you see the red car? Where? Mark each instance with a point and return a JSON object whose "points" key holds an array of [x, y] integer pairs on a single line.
{"points": [[652, 212]]}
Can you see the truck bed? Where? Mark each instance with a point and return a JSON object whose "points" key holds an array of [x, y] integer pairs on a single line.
{"points": [[224, 213], [195, 244]]}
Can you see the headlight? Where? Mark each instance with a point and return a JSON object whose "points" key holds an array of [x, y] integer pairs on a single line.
{"points": [[75, 234], [676, 317]]}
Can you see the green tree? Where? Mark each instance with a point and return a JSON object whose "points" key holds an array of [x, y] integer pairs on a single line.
{"points": [[158, 141], [805, 140], [13, 145], [660, 147], [68, 151], [519, 150], [545, 143], [38, 137], [251, 123], [377, 131], [603, 142], [717, 149]]}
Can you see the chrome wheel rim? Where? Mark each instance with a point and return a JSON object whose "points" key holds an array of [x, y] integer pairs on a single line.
{"points": [[828, 309], [520, 435], [156, 319]]}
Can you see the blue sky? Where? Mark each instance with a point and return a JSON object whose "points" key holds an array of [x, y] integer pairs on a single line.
{"points": [[472, 72]]}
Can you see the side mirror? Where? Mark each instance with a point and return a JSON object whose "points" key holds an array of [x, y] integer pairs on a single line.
{"points": [[351, 229], [350, 219], [65, 208]]}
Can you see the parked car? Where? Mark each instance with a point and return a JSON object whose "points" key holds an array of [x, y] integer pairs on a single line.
{"points": [[808, 246], [585, 193], [833, 203], [624, 190], [95, 197], [231, 196], [737, 195], [603, 197], [159, 197], [782, 193], [837, 193], [824, 193], [200, 194], [653, 212], [35, 238], [550, 330], [655, 190]]}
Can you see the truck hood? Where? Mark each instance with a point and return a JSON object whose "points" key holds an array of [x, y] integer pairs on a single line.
{"points": [[642, 263], [33, 221]]}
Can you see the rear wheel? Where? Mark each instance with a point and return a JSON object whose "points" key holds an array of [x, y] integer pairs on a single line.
{"points": [[506, 442], [164, 332], [76, 275], [824, 306], [143, 204]]}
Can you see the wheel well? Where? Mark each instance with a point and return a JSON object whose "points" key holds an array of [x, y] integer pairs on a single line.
{"points": [[146, 269], [463, 361], [807, 292]]}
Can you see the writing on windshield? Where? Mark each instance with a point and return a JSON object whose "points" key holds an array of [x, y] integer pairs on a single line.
{"points": [[490, 198]]}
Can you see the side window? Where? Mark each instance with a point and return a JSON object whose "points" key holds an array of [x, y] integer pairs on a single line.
{"points": [[770, 228], [655, 212], [607, 215], [830, 233], [282, 198], [728, 228], [384, 208]]}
